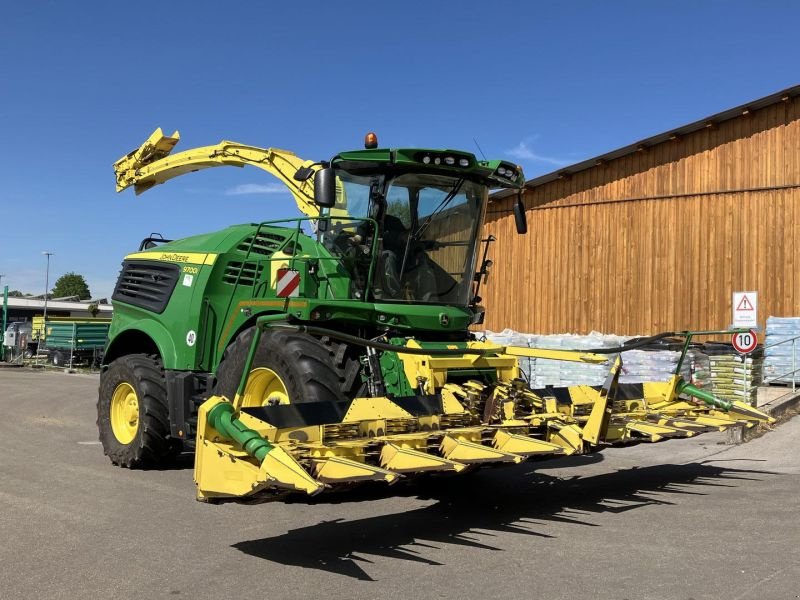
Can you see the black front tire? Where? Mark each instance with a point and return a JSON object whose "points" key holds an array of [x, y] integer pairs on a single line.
{"points": [[307, 366], [151, 445]]}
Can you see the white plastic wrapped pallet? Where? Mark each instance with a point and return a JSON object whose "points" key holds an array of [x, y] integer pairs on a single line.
{"points": [[638, 365], [778, 360]]}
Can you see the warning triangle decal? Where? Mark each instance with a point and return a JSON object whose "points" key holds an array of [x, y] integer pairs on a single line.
{"points": [[745, 304]]}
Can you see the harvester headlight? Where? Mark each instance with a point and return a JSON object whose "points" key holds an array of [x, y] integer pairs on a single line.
{"points": [[464, 162], [437, 161], [501, 171], [426, 159], [449, 160]]}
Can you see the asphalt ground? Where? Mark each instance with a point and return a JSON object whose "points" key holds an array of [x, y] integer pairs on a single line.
{"points": [[682, 519]]}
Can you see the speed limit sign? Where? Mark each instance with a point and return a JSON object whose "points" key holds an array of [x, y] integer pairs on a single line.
{"points": [[744, 341]]}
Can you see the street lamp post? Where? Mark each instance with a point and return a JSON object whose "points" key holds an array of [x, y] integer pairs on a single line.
{"points": [[46, 287], [5, 318]]}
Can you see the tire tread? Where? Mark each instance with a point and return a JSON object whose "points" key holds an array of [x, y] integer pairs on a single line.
{"points": [[152, 444], [318, 369]]}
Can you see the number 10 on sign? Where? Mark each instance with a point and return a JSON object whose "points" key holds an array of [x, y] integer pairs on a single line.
{"points": [[744, 341]]}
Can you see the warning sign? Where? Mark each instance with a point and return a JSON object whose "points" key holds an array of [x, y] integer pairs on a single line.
{"points": [[288, 283], [745, 309], [745, 304]]}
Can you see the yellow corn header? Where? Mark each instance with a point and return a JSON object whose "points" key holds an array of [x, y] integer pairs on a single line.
{"points": [[263, 451]]}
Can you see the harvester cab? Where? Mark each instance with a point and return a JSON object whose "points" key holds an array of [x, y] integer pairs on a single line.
{"points": [[336, 348]]}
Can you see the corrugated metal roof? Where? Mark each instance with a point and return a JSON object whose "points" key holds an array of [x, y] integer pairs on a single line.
{"points": [[38, 304], [668, 135]]}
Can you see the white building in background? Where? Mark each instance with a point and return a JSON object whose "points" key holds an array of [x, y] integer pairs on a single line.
{"points": [[24, 309]]}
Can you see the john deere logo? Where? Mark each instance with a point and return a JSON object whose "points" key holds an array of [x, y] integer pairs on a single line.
{"points": [[444, 320]]}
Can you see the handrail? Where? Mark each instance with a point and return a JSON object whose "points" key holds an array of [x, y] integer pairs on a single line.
{"points": [[296, 230], [795, 369]]}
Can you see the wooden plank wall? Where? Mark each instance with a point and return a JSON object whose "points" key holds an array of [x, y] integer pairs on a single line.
{"points": [[659, 239], [455, 226]]}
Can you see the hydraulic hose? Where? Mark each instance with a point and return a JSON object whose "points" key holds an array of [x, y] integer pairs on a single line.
{"points": [[642, 342], [683, 387], [359, 341]]}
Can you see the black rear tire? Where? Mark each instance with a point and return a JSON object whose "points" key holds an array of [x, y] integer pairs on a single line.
{"points": [[311, 369], [151, 444]]}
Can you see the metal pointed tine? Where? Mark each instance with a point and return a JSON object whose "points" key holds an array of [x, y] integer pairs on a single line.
{"points": [[524, 445], [750, 412], [338, 469], [407, 460], [462, 450]]}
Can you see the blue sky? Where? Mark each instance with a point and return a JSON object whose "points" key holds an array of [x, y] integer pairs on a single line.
{"points": [[544, 83]]}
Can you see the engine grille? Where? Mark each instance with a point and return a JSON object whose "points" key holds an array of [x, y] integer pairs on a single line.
{"points": [[146, 284]]}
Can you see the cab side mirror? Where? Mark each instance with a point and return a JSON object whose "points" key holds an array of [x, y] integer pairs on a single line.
{"points": [[520, 218], [325, 187]]}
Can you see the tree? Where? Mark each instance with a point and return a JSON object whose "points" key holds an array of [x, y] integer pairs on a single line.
{"points": [[16, 294], [71, 284], [401, 210]]}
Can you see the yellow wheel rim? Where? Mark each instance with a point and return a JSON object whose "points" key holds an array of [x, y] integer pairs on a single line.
{"points": [[124, 413], [264, 388]]}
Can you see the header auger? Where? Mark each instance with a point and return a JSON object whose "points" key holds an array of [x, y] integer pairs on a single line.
{"points": [[292, 361]]}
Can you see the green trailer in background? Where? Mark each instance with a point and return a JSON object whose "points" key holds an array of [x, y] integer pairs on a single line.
{"points": [[76, 342]]}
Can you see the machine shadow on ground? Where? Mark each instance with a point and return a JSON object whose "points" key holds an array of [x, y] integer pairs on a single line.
{"points": [[471, 510]]}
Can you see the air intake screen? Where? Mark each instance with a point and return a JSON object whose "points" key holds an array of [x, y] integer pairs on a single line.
{"points": [[146, 284], [246, 273], [264, 243]]}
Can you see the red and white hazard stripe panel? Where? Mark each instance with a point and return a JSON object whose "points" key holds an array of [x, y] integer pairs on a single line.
{"points": [[288, 285]]}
